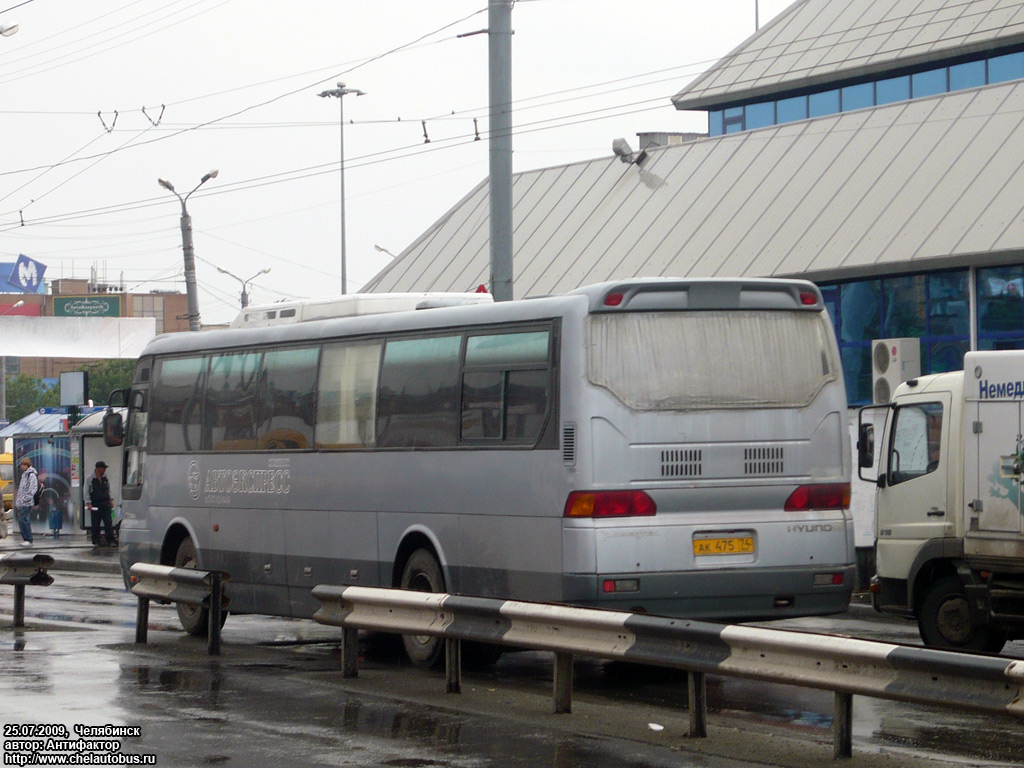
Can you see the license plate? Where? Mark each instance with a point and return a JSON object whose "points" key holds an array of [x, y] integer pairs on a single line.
{"points": [[727, 545]]}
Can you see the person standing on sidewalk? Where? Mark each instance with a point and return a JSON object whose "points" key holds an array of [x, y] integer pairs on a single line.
{"points": [[97, 499], [23, 500]]}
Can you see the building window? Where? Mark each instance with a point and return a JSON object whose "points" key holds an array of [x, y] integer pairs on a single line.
{"points": [[1000, 310], [149, 306], [892, 89], [970, 74], [732, 120], [791, 110], [858, 96], [759, 115], [824, 103], [1008, 67], [715, 126], [931, 307], [929, 83]]}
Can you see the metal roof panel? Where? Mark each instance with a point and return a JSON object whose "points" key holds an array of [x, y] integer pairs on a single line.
{"points": [[862, 38]]}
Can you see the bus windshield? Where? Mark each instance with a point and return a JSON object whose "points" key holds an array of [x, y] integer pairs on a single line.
{"points": [[685, 360]]}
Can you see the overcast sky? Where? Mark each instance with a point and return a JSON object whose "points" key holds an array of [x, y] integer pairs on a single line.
{"points": [[102, 98]]}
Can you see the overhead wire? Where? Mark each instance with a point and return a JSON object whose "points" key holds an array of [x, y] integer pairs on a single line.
{"points": [[370, 159]]}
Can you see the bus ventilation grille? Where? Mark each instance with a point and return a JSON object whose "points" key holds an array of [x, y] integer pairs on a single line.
{"points": [[681, 462], [569, 444], [763, 461]]}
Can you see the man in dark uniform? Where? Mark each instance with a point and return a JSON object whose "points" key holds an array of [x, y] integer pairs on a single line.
{"points": [[97, 499]]}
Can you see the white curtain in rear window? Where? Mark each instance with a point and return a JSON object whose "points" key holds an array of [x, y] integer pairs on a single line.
{"points": [[686, 360]]}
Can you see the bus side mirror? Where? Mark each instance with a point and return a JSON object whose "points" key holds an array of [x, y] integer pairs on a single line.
{"points": [[113, 428], [866, 446]]}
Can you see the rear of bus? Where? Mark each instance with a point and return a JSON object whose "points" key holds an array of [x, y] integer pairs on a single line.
{"points": [[709, 450]]}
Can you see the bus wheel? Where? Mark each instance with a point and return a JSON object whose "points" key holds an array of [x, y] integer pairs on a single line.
{"points": [[422, 573], [945, 621], [195, 619]]}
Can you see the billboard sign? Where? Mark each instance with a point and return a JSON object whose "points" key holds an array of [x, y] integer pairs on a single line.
{"points": [[87, 306], [26, 276]]}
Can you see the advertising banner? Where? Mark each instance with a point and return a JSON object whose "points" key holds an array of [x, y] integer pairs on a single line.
{"points": [[87, 306]]}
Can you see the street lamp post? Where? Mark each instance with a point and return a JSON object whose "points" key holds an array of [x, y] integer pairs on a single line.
{"points": [[245, 283], [340, 93], [3, 368], [188, 251]]}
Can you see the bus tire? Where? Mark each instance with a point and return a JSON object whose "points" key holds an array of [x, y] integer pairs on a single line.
{"points": [[422, 573], [194, 619], [945, 621]]}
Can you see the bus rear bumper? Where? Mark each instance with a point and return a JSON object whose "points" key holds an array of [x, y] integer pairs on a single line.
{"points": [[736, 595]]}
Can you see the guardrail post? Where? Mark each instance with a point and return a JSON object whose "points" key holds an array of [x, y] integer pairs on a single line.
{"points": [[452, 665], [842, 726], [142, 621], [563, 683], [190, 586], [216, 595], [19, 605], [21, 570], [697, 694], [349, 652]]}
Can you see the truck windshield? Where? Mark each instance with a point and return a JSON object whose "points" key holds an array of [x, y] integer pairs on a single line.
{"points": [[915, 441], [714, 359]]}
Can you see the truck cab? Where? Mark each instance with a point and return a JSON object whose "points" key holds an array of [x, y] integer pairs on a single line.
{"points": [[949, 540]]}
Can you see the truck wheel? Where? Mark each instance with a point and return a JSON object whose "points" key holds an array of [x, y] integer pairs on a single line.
{"points": [[945, 621], [422, 573]]}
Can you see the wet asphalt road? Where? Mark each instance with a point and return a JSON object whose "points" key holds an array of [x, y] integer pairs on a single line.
{"points": [[276, 697]]}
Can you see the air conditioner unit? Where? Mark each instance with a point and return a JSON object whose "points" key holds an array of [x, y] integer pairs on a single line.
{"points": [[893, 361]]}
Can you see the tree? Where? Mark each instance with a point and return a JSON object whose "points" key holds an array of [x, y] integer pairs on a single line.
{"points": [[26, 394], [107, 375]]}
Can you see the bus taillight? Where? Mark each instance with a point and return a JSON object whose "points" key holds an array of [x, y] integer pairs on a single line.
{"points": [[609, 504], [823, 496]]}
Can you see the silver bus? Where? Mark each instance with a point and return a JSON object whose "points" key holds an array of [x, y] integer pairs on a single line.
{"points": [[670, 446]]}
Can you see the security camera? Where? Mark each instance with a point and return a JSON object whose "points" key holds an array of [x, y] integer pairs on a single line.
{"points": [[622, 150]]}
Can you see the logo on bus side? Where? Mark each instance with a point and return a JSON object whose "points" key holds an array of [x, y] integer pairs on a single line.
{"points": [[193, 479], [234, 481]]}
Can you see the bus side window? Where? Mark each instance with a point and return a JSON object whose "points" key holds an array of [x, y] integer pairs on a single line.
{"points": [[287, 395], [232, 395], [347, 396], [506, 386], [419, 393], [176, 404]]}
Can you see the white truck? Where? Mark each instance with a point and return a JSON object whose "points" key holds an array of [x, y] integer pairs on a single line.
{"points": [[949, 527]]}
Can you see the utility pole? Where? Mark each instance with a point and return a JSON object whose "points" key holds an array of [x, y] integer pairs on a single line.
{"points": [[499, 47], [340, 93], [245, 283], [191, 292]]}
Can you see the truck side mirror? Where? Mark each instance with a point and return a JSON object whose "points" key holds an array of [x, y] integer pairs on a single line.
{"points": [[866, 446], [113, 428]]}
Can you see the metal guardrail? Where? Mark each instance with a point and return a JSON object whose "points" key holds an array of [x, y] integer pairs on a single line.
{"points": [[843, 665], [22, 569], [191, 586]]}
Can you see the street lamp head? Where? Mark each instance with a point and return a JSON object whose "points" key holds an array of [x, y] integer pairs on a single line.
{"points": [[264, 270], [8, 29], [211, 175], [165, 184]]}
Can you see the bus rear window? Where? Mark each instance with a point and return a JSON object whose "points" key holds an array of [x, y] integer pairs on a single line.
{"points": [[686, 360]]}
